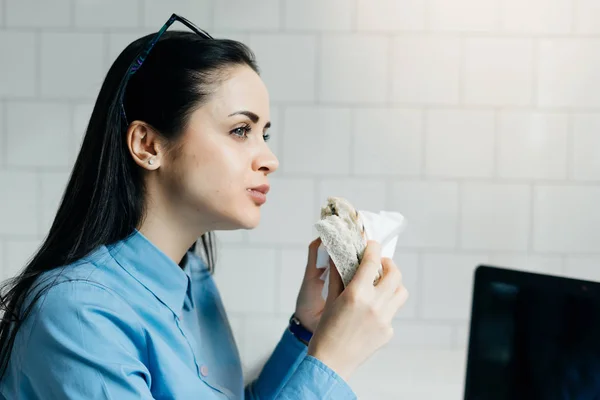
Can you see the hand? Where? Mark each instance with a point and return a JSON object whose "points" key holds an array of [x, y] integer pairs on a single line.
{"points": [[357, 320], [310, 302]]}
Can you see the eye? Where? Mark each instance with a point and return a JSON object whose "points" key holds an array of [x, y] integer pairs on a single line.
{"points": [[267, 137], [242, 131]]}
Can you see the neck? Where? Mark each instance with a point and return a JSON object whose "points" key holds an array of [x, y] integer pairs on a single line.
{"points": [[167, 230]]}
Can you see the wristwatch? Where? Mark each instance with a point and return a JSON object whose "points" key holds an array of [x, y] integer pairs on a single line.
{"points": [[298, 330]]}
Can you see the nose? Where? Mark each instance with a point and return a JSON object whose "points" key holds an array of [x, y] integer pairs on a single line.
{"points": [[266, 161]]}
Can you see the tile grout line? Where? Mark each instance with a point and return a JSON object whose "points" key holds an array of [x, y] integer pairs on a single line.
{"points": [[141, 14], [535, 72], [38, 64], [424, 144], [4, 21], [4, 131], [531, 236], [317, 83], [354, 17], [496, 146], [72, 18], [459, 216], [419, 295], [282, 14], [570, 159], [462, 65]]}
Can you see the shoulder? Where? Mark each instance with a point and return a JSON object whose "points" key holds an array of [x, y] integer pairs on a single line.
{"points": [[83, 295], [79, 316]]}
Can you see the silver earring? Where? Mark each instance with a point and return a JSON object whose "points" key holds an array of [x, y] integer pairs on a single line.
{"points": [[151, 161]]}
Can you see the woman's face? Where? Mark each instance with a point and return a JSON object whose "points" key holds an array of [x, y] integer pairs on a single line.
{"points": [[219, 176]]}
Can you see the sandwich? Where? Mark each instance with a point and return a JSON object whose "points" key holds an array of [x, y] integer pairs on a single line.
{"points": [[342, 232]]}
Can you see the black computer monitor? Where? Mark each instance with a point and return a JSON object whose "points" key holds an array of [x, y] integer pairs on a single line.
{"points": [[533, 336]]}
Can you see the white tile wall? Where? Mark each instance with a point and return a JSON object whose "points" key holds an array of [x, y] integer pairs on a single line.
{"points": [[495, 217], [391, 15], [583, 267], [476, 119], [586, 147], [38, 13], [431, 212], [587, 16], [464, 15], [353, 69], [566, 67], [108, 14], [72, 64], [292, 267], [532, 145], [18, 67], [19, 203], [81, 117], [38, 134], [53, 185], [446, 285], [421, 334], [426, 70], [241, 15], [200, 12], [388, 142], [409, 266], [533, 263], [313, 133], [242, 275], [460, 143], [18, 254], [285, 220], [5, 272], [319, 15], [566, 218], [489, 60], [366, 193], [3, 135], [237, 236], [537, 16], [294, 54], [117, 42], [261, 335]]}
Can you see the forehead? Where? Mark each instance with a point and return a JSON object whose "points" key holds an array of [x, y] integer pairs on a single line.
{"points": [[243, 89]]}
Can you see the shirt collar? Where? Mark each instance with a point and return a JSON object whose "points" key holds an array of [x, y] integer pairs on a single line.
{"points": [[153, 269]]}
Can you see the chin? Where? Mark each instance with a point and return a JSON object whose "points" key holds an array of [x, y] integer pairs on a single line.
{"points": [[247, 219], [251, 221]]}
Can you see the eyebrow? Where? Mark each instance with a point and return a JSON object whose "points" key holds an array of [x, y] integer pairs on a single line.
{"points": [[253, 117]]}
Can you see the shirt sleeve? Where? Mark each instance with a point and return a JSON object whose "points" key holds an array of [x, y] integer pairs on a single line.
{"points": [[80, 342], [291, 374]]}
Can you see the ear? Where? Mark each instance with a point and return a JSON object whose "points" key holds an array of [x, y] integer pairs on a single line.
{"points": [[144, 145]]}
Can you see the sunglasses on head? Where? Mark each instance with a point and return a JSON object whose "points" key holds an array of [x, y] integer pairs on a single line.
{"points": [[139, 60]]}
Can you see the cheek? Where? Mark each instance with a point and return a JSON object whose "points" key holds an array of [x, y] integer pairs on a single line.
{"points": [[213, 174]]}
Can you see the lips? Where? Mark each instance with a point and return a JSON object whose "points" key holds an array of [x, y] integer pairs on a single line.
{"points": [[259, 194], [264, 189]]}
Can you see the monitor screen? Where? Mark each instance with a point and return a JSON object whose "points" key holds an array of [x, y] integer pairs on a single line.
{"points": [[533, 337]]}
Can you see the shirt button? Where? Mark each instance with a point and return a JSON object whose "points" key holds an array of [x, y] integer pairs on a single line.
{"points": [[204, 370]]}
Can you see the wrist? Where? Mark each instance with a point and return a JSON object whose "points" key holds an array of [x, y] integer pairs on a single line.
{"points": [[341, 369], [302, 333]]}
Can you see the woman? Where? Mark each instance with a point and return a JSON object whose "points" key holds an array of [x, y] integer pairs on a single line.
{"points": [[116, 304]]}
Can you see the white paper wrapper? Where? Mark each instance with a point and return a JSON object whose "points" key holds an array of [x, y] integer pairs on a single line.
{"points": [[383, 227]]}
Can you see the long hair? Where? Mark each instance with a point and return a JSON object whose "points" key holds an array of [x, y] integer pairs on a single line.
{"points": [[104, 198]]}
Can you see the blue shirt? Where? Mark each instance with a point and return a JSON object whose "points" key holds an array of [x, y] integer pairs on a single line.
{"points": [[126, 322]]}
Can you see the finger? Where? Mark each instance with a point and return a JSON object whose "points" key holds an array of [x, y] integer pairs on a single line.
{"points": [[367, 270], [396, 302], [391, 279], [336, 286], [311, 264]]}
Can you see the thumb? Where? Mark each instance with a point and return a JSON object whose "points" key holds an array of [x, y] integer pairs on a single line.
{"points": [[336, 286]]}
